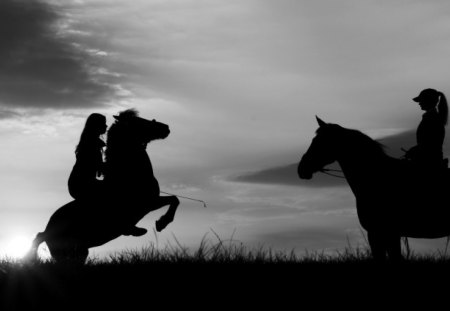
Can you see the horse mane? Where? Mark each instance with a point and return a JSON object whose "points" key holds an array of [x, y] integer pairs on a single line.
{"points": [[360, 140], [127, 114], [119, 133], [368, 142]]}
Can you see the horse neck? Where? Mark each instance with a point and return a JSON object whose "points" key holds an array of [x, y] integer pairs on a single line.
{"points": [[130, 160], [142, 160], [362, 168]]}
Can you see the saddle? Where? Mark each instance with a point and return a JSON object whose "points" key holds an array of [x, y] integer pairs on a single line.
{"points": [[430, 178]]}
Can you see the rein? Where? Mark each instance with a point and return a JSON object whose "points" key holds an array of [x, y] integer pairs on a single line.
{"points": [[327, 170], [188, 198]]}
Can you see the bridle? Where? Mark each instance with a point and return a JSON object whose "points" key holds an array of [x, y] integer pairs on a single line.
{"points": [[327, 170]]}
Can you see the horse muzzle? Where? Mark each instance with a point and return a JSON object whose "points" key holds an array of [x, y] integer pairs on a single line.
{"points": [[165, 133], [305, 175], [304, 170]]}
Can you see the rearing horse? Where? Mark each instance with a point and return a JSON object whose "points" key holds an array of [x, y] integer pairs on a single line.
{"points": [[394, 198], [131, 191]]}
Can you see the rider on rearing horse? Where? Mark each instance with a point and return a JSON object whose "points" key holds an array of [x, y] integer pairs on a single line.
{"points": [[83, 183], [427, 154]]}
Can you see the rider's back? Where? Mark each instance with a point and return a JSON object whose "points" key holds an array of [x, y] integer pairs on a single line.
{"points": [[430, 138]]}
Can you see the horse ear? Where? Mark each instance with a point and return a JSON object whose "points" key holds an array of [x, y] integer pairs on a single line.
{"points": [[320, 121]]}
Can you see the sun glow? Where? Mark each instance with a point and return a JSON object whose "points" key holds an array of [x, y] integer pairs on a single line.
{"points": [[16, 247]]}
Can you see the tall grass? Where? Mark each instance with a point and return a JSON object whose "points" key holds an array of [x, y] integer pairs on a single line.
{"points": [[230, 251], [223, 269]]}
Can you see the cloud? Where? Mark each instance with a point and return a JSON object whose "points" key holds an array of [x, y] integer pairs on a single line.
{"points": [[6, 114], [41, 66], [287, 174]]}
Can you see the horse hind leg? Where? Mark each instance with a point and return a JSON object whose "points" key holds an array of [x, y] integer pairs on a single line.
{"points": [[72, 256], [67, 251]]}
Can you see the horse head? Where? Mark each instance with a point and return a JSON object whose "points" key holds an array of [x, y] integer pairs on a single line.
{"points": [[321, 152], [126, 158], [140, 130]]}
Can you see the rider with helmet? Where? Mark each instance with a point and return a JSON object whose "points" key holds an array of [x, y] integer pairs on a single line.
{"points": [[427, 154]]}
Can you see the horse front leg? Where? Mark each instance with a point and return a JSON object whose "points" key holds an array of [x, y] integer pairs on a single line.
{"points": [[128, 225], [385, 243], [377, 245], [394, 248], [169, 216]]}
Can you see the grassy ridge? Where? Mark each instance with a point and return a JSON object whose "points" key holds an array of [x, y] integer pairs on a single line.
{"points": [[152, 277]]}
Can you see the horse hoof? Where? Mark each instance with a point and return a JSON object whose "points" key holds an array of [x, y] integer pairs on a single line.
{"points": [[160, 224], [135, 231], [139, 232]]}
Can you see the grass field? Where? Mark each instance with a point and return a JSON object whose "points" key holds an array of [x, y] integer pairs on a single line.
{"points": [[222, 271]]}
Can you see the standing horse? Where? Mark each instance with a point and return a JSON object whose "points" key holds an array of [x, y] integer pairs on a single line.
{"points": [[131, 192], [394, 198]]}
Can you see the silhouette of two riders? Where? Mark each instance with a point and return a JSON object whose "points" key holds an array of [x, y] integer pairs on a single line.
{"points": [[83, 181], [427, 155]]}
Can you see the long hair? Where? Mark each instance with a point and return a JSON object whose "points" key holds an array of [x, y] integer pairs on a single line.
{"points": [[443, 108], [119, 133], [89, 135]]}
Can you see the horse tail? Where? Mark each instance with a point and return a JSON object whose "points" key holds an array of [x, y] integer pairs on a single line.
{"points": [[38, 240], [443, 108]]}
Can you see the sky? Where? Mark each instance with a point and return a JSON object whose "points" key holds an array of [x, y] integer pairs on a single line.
{"points": [[239, 83]]}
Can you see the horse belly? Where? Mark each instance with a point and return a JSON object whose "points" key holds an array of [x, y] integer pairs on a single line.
{"points": [[416, 217], [426, 225], [425, 218]]}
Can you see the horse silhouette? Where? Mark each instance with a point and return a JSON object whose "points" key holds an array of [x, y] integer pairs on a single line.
{"points": [[132, 191], [394, 198]]}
